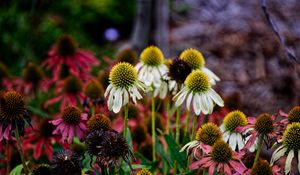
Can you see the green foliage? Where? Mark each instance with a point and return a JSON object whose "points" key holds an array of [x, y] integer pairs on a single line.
{"points": [[17, 170]]}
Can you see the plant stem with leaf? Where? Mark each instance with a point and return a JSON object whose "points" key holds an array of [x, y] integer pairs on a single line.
{"points": [[20, 150], [153, 128], [187, 122], [195, 120], [259, 148]]}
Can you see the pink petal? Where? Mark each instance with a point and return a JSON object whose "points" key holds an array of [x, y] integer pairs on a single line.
{"points": [[211, 169], [238, 166], [71, 134], [251, 120], [53, 100], [206, 148], [227, 169], [56, 121], [283, 113], [49, 150], [199, 163], [38, 149]]}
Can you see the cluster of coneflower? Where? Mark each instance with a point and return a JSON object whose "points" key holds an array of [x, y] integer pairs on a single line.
{"points": [[99, 123]]}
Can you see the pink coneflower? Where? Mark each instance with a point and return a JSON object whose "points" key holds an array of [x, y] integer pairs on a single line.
{"points": [[292, 116], [41, 141], [70, 123], [263, 167], [262, 126], [69, 93], [222, 158], [66, 53]]}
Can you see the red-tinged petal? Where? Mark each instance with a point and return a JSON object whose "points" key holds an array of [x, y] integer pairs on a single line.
{"points": [[227, 169], [206, 148], [38, 149], [79, 132], [84, 117], [199, 163], [52, 101], [71, 134], [251, 120], [56, 121], [251, 140], [49, 150], [283, 113], [211, 169], [238, 166]]}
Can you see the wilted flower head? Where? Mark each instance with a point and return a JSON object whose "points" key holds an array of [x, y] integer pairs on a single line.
{"points": [[12, 113], [70, 123], [108, 147], [43, 169], [66, 162], [197, 90], [196, 60], [123, 85], [66, 54]]}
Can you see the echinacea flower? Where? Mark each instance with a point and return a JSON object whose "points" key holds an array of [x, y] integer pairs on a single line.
{"points": [[108, 147], [197, 90], [144, 172], [222, 158], [43, 169], [231, 122], [207, 134], [178, 71], [128, 55], [41, 140], [292, 116], [290, 146], [123, 85], [69, 92], [98, 122], [66, 54], [262, 126], [151, 70], [66, 162], [262, 167], [196, 60], [13, 114], [93, 93], [70, 123]]}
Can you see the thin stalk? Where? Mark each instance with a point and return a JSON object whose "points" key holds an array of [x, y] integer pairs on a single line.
{"points": [[125, 121], [26, 171], [153, 128], [177, 132], [195, 120], [93, 110], [259, 148], [187, 121], [168, 116], [7, 156]]}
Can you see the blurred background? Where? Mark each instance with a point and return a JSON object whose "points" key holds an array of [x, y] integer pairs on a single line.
{"points": [[233, 35]]}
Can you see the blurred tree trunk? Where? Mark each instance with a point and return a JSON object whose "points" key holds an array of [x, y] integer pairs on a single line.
{"points": [[151, 25]]}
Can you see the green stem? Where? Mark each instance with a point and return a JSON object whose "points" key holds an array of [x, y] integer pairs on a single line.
{"points": [[26, 171], [205, 119], [259, 147], [195, 119], [125, 121], [187, 121], [7, 157], [177, 134], [168, 116], [153, 128], [93, 110]]}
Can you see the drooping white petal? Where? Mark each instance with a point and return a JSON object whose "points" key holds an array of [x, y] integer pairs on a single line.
{"points": [[217, 99], [232, 141], [126, 97], [188, 101], [181, 98], [240, 141], [279, 152], [222, 127], [111, 98], [210, 103], [164, 90], [212, 76], [117, 101], [188, 145], [203, 103], [226, 136], [156, 78], [288, 162], [136, 92], [196, 105], [138, 66], [108, 89]]}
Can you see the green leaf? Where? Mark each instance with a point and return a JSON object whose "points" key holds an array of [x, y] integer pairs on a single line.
{"points": [[129, 138], [179, 157], [126, 167], [38, 112], [17, 170], [190, 172]]}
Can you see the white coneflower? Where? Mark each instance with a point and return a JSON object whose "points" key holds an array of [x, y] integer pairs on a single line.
{"points": [[151, 68], [196, 60], [290, 146], [123, 84], [231, 121], [197, 90]]}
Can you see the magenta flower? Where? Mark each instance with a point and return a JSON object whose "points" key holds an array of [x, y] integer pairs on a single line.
{"points": [[69, 92], [66, 53], [222, 158], [71, 123], [264, 125]]}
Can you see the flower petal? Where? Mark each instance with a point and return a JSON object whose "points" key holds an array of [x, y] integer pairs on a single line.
{"points": [[288, 162]]}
